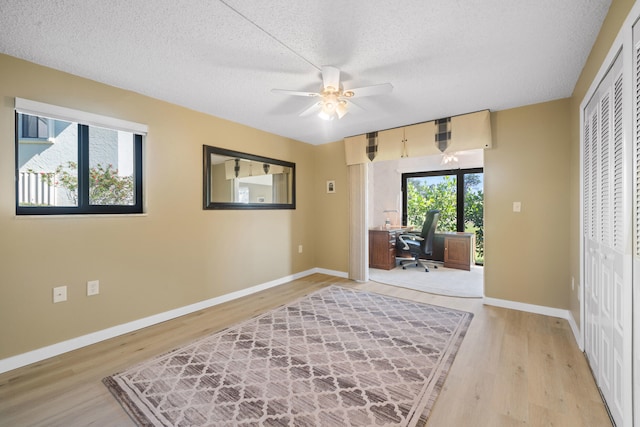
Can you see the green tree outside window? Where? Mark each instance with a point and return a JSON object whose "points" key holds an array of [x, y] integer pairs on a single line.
{"points": [[441, 194], [106, 187]]}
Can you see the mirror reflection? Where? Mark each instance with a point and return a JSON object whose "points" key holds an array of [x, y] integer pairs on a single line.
{"points": [[235, 180]]}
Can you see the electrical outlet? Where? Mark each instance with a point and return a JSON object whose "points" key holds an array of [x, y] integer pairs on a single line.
{"points": [[517, 206], [59, 294], [299, 249], [93, 287]]}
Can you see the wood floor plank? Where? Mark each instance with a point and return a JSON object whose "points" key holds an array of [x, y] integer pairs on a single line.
{"points": [[513, 368], [512, 378]]}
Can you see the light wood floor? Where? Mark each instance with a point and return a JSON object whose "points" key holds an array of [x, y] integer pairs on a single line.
{"points": [[513, 368]]}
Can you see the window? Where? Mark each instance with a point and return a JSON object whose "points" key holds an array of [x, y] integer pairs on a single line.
{"points": [[457, 194], [94, 167]]}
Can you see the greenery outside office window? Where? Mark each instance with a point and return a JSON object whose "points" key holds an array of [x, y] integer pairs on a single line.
{"points": [[79, 168], [459, 196]]}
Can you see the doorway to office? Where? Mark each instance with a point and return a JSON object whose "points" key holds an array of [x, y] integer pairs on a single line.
{"points": [[399, 192]]}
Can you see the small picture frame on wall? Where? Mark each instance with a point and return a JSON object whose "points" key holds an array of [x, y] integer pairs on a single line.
{"points": [[331, 186]]}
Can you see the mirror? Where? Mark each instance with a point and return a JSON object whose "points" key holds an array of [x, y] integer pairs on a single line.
{"points": [[235, 180]]}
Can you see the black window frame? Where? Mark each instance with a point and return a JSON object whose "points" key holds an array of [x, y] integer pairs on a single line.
{"points": [[84, 207], [459, 173]]}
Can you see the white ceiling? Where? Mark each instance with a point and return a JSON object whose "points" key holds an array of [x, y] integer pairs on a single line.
{"points": [[222, 57]]}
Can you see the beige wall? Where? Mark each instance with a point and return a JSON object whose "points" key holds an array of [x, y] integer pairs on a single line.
{"points": [[175, 255], [618, 12], [331, 220], [221, 188], [526, 253], [178, 254]]}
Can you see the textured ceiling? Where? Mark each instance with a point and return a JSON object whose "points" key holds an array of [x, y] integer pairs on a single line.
{"points": [[443, 57]]}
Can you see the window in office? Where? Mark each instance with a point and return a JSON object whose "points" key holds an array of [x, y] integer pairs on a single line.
{"points": [[80, 168], [457, 194]]}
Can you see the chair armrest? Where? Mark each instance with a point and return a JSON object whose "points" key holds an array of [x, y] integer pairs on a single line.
{"points": [[411, 237], [405, 246]]}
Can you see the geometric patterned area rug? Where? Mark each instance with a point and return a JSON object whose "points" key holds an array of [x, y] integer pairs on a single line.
{"points": [[336, 357]]}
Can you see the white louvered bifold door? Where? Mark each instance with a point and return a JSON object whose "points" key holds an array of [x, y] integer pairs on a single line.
{"points": [[636, 218], [590, 182], [606, 222]]}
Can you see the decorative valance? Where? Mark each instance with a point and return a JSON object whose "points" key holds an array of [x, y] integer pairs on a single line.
{"points": [[242, 168], [451, 134]]}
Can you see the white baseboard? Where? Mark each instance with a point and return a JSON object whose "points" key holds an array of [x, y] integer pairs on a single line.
{"points": [[539, 309], [43, 353], [577, 334], [336, 273]]}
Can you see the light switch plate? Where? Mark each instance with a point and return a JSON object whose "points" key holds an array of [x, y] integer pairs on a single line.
{"points": [[93, 287], [59, 294], [517, 206]]}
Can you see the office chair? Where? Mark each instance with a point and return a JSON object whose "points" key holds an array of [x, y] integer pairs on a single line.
{"points": [[421, 244]]}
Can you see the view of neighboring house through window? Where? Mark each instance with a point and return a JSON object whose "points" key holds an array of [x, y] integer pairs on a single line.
{"points": [[34, 127], [457, 194], [66, 167], [41, 160]]}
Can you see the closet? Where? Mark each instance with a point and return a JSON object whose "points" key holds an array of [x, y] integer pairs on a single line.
{"points": [[610, 235], [636, 217]]}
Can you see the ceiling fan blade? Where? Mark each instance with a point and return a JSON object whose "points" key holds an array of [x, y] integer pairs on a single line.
{"points": [[331, 77], [380, 89], [294, 92], [315, 107], [353, 107]]}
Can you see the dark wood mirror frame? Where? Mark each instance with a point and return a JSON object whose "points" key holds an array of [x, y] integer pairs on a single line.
{"points": [[267, 183]]}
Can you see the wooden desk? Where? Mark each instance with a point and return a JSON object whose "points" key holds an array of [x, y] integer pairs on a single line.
{"points": [[382, 247], [455, 249]]}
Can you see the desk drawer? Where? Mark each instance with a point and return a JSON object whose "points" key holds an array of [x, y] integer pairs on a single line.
{"points": [[382, 249]]}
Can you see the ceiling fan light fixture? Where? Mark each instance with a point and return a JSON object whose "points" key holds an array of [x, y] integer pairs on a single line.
{"points": [[448, 158], [330, 105], [325, 116], [341, 109], [334, 99]]}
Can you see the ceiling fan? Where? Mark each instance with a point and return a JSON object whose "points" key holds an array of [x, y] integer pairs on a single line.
{"points": [[335, 100]]}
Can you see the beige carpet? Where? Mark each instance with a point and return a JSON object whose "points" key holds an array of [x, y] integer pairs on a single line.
{"points": [[442, 281], [337, 357]]}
